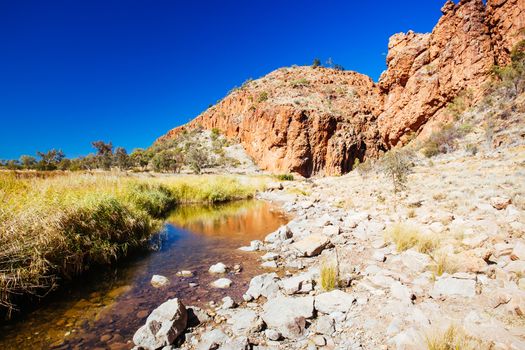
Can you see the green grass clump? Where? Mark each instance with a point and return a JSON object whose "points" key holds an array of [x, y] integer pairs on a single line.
{"points": [[57, 227], [284, 177], [406, 237], [328, 276]]}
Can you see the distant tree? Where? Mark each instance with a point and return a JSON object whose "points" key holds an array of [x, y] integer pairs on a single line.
{"points": [[88, 162], [329, 62], [196, 158], [27, 162], [167, 160], [104, 154], [13, 164], [64, 164], [140, 158], [338, 67], [316, 63], [122, 159], [49, 159]]}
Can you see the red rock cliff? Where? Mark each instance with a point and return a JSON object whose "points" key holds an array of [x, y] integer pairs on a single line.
{"points": [[318, 121]]}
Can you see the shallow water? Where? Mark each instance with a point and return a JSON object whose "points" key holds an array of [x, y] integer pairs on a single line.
{"points": [[104, 308]]}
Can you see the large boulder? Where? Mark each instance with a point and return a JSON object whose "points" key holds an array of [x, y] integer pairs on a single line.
{"points": [[449, 286], [244, 321], [163, 326], [288, 314], [312, 245], [334, 301]]}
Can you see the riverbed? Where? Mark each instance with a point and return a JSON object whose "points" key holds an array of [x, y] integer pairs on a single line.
{"points": [[104, 308]]}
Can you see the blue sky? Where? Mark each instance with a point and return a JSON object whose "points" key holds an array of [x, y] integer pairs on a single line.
{"points": [[72, 72]]}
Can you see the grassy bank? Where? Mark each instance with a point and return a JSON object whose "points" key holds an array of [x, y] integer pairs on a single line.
{"points": [[57, 227]]}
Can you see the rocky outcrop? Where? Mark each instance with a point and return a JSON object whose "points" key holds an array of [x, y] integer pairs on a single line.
{"points": [[319, 120]]}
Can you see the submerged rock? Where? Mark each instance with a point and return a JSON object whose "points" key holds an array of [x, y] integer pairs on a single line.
{"points": [[222, 283], [163, 326], [159, 281], [217, 268]]}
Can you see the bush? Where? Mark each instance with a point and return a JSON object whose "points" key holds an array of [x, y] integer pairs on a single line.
{"points": [[441, 141], [453, 338], [285, 177], [263, 96], [406, 237], [316, 62], [397, 164], [300, 83]]}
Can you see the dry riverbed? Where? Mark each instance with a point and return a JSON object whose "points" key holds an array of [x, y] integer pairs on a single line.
{"points": [[458, 279]]}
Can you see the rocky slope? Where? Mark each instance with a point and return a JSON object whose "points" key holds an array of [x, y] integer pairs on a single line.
{"points": [[318, 120]]}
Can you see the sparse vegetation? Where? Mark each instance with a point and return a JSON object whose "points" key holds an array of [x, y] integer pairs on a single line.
{"points": [[57, 227], [453, 338], [406, 236], [328, 276], [285, 177], [263, 96], [443, 140], [316, 62], [300, 83], [396, 165], [442, 263]]}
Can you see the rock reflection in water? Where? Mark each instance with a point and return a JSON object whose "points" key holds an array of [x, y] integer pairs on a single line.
{"points": [[105, 308]]}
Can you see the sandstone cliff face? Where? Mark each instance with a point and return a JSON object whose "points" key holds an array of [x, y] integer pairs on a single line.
{"points": [[318, 121], [304, 120]]}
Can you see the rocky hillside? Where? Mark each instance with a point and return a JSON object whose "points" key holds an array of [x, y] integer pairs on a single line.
{"points": [[319, 120]]}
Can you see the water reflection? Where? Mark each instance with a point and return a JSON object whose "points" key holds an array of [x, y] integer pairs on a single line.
{"points": [[105, 308]]}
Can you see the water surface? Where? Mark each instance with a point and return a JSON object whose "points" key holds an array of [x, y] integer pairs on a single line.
{"points": [[105, 308]]}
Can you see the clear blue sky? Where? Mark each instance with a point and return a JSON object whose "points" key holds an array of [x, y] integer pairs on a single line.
{"points": [[127, 71]]}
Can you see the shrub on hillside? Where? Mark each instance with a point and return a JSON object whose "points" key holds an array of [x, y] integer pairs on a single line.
{"points": [[443, 140]]}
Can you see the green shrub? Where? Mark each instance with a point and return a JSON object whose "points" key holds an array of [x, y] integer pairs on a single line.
{"points": [[285, 177], [263, 96], [300, 83], [441, 141]]}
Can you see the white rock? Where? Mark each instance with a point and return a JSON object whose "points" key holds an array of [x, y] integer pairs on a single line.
{"points": [[325, 324], [295, 284], [332, 230], [288, 314], [401, 292], [272, 334], [379, 256], [212, 340], [437, 227], [333, 301], [222, 283], [517, 266], [159, 281], [218, 268], [184, 273], [228, 303], [449, 286], [476, 241], [270, 256], [263, 285], [353, 219], [414, 261], [500, 203], [519, 251], [269, 264], [311, 245], [282, 234], [163, 325], [244, 321]]}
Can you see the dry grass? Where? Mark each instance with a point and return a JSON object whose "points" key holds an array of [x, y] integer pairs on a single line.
{"points": [[328, 276], [442, 263], [57, 227], [453, 338], [405, 237]]}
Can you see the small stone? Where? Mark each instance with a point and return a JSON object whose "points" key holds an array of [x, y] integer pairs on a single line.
{"points": [[319, 340], [192, 285], [228, 303], [270, 256], [378, 256], [222, 283], [218, 268], [269, 264], [500, 203], [272, 334], [184, 273], [159, 281], [333, 301], [332, 230]]}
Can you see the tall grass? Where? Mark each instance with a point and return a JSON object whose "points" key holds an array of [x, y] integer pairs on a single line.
{"points": [[57, 227], [406, 236]]}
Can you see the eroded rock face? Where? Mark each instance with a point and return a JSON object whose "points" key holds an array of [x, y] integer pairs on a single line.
{"points": [[318, 121]]}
